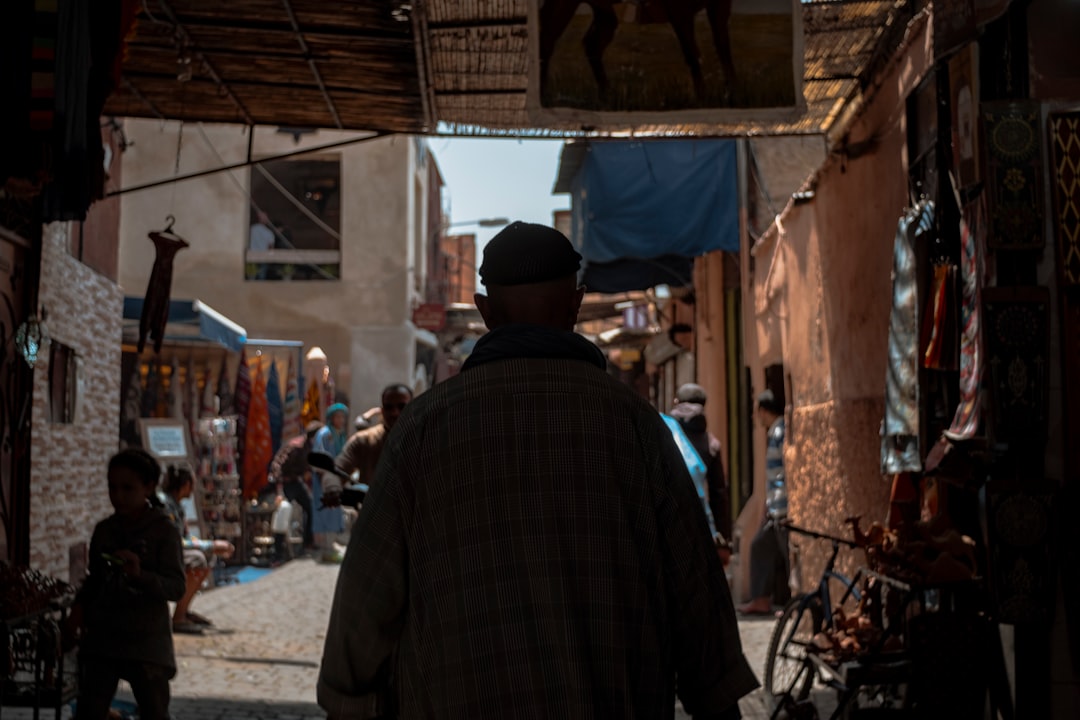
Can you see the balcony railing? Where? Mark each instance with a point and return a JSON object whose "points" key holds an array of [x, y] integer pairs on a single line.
{"points": [[292, 264]]}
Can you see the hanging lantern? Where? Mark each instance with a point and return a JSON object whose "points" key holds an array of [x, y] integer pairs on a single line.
{"points": [[31, 337]]}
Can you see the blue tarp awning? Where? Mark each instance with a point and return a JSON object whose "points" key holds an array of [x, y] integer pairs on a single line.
{"points": [[192, 321], [642, 210]]}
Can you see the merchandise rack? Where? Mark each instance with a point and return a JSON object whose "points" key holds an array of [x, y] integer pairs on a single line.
{"points": [[218, 495]]}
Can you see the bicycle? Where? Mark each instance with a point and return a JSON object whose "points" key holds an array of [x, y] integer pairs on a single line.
{"points": [[789, 672]]}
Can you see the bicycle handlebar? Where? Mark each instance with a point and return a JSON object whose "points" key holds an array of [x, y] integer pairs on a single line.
{"points": [[817, 535]]}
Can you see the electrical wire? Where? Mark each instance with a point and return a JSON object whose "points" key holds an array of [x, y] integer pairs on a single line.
{"points": [[247, 193]]}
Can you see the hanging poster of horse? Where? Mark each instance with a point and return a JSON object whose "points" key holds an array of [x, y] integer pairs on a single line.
{"points": [[600, 59]]}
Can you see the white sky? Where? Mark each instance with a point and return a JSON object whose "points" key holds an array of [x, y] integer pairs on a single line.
{"points": [[488, 178]]}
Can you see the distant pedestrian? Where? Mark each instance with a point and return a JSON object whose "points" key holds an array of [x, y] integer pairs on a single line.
{"points": [[769, 548], [362, 452], [525, 550], [689, 411], [122, 610], [329, 519], [291, 477]]}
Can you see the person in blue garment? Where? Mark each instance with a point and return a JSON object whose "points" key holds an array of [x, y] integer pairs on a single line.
{"points": [[329, 521]]}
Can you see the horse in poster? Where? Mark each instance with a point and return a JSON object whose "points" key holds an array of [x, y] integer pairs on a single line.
{"points": [[556, 15]]}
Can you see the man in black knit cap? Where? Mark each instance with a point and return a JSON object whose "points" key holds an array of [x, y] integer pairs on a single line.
{"points": [[526, 549]]}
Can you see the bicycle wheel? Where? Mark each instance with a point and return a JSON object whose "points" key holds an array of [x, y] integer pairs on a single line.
{"points": [[801, 619]]}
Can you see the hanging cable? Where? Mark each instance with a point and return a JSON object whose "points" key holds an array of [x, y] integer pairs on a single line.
{"points": [[251, 200]]}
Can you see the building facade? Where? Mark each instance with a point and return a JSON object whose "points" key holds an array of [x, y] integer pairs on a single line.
{"points": [[346, 259]]}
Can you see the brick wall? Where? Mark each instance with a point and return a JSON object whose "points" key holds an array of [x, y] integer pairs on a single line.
{"points": [[67, 479]]}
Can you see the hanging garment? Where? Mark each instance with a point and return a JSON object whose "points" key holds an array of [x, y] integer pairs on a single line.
{"points": [[242, 402], [132, 407], [206, 404], [150, 395], [275, 407], [972, 241], [900, 430], [939, 328], [224, 391], [174, 398], [257, 447], [291, 426], [155, 311]]}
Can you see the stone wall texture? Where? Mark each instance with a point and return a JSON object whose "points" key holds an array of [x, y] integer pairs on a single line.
{"points": [[69, 491], [833, 469]]}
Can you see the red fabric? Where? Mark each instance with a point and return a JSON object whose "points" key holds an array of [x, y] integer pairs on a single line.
{"points": [[258, 445]]}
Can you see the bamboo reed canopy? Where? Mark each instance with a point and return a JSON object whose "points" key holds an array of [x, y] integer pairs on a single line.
{"points": [[300, 63], [428, 66]]}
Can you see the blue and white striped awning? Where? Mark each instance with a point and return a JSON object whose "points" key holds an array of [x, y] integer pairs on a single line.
{"points": [[190, 321]]}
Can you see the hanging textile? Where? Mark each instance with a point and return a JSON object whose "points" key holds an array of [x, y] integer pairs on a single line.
{"points": [[150, 395], [275, 406], [311, 412], [291, 426], [242, 401], [900, 430], [206, 406], [191, 396], [224, 392], [972, 242], [1014, 172], [1065, 147], [155, 310], [190, 400], [174, 397], [132, 407], [258, 451], [939, 329]]}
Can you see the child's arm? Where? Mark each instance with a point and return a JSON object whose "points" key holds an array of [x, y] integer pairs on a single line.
{"points": [[167, 583]]}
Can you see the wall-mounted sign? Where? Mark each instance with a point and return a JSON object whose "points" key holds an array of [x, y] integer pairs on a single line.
{"points": [[165, 439], [605, 64], [430, 316]]}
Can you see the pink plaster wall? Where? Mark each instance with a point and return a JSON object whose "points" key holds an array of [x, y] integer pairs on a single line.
{"points": [[818, 300], [832, 460]]}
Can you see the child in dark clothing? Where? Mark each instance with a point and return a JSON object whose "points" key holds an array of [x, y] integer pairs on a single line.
{"points": [[135, 570]]}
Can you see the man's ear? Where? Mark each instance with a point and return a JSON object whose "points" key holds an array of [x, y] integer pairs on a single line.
{"points": [[579, 296], [483, 306]]}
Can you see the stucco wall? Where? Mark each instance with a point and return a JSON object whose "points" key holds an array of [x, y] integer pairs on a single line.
{"points": [[820, 293], [832, 462], [68, 485], [380, 220], [784, 163]]}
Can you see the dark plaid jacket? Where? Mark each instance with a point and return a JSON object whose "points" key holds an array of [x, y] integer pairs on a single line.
{"points": [[532, 548]]}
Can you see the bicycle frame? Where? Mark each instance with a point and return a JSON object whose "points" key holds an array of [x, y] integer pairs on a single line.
{"points": [[820, 595], [822, 590]]}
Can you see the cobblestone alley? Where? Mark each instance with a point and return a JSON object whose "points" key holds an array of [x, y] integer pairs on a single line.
{"points": [[262, 663]]}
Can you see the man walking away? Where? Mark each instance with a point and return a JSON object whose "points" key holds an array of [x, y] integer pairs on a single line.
{"points": [[532, 545]]}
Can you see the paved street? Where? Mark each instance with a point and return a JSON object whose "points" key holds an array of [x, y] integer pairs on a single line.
{"points": [[262, 664]]}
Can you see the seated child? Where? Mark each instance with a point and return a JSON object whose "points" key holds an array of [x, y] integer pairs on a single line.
{"points": [[179, 483]]}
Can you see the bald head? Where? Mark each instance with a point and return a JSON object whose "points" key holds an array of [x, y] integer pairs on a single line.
{"points": [[552, 304]]}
